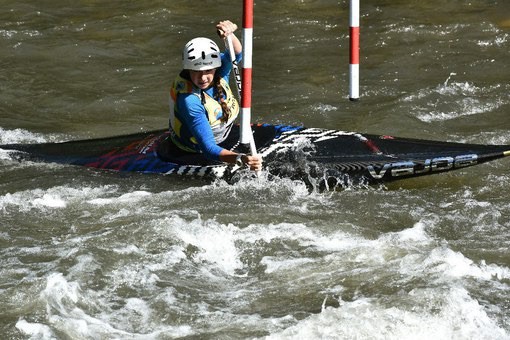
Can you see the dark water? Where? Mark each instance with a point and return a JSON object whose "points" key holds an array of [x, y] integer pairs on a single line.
{"points": [[93, 255]]}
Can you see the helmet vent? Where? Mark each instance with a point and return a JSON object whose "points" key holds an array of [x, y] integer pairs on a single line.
{"points": [[191, 57]]}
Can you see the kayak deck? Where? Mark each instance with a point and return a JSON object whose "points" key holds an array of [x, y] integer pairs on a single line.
{"points": [[288, 151]]}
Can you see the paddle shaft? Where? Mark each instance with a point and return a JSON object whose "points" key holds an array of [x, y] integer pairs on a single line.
{"points": [[235, 67]]}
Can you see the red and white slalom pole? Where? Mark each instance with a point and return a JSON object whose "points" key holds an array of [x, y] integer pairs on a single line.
{"points": [[246, 135], [354, 50]]}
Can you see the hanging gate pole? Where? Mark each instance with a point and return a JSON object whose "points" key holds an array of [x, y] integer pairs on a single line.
{"points": [[246, 134], [354, 50]]}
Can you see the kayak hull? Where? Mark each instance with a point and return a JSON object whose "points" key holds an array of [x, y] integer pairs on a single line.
{"points": [[288, 151]]}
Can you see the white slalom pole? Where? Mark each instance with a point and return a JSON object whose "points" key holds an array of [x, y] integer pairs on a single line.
{"points": [[354, 50]]}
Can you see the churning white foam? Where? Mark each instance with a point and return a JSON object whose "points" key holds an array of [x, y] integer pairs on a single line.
{"points": [[20, 136], [212, 242], [131, 197], [452, 314], [68, 312], [52, 198]]}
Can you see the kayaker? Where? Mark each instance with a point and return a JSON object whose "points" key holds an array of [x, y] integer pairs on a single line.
{"points": [[202, 105]]}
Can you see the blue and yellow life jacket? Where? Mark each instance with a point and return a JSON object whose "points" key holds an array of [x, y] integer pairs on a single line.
{"points": [[212, 107]]}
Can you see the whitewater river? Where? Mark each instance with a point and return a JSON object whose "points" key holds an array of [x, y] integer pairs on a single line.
{"points": [[86, 254]]}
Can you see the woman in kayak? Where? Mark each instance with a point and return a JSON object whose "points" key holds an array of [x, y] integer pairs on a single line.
{"points": [[202, 106]]}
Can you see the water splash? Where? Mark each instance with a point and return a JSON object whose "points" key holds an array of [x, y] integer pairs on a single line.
{"points": [[450, 314], [20, 136]]}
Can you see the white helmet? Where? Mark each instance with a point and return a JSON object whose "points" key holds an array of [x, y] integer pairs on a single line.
{"points": [[201, 54]]}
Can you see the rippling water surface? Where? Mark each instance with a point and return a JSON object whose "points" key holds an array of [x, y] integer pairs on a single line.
{"points": [[87, 254]]}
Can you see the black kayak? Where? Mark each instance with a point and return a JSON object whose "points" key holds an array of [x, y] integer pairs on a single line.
{"points": [[288, 151]]}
